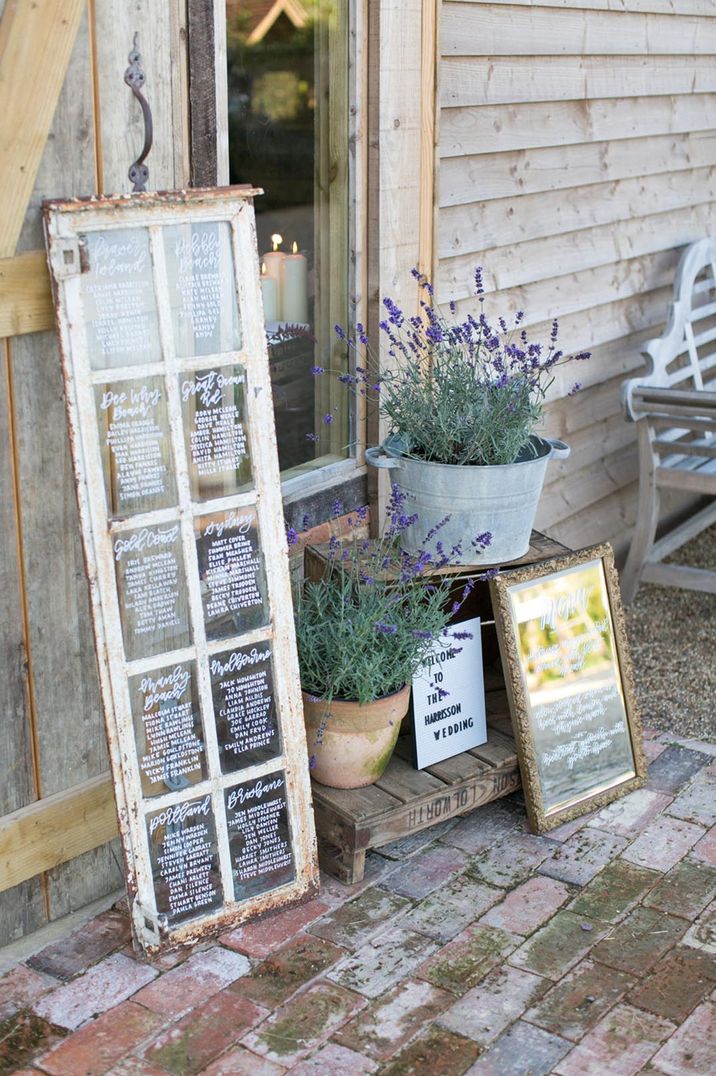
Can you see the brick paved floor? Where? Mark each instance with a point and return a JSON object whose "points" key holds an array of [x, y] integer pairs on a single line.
{"points": [[472, 948]]}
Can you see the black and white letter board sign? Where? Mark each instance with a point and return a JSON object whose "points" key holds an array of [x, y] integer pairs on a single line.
{"points": [[169, 404]]}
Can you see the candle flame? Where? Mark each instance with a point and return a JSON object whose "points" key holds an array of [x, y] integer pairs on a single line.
{"points": [[276, 240], [295, 248], [264, 270]]}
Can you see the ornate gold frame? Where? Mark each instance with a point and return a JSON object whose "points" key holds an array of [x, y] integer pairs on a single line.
{"points": [[540, 821]]}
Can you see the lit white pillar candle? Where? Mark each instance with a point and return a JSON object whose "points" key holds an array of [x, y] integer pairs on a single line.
{"points": [[294, 288], [269, 295], [273, 261]]}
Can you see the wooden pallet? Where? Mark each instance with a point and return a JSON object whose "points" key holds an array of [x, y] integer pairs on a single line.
{"points": [[406, 800]]}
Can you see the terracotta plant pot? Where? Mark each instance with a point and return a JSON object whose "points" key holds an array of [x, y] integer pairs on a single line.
{"points": [[352, 743]]}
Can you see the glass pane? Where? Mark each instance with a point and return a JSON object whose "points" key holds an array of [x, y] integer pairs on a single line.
{"points": [[135, 444], [185, 859], [574, 696], [118, 297], [202, 288], [215, 432], [153, 601], [231, 570], [244, 707], [167, 729], [259, 837], [289, 103]]}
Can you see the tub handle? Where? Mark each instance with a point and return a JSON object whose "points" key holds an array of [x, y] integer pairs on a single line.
{"points": [[560, 451], [376, 458]]}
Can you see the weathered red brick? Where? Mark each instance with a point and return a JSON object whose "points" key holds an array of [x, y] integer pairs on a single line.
{"points": [[98, 1046], [486, 1010], [272, 981], [197, 979], [351, 924], [680, 981], [639, 941], [262, 937], [21, 986], [558, 945], [382, 962], [304, 1023], [202, 1035], [387, 1024], [576, 1003], [466, 960], [692, 1048], [528, 906], [86, 946], [102, 987], [663, 843], [620, 1044]]}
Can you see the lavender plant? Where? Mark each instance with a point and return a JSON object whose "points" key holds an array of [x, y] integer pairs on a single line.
{"points": [[460, 391], [366, 627]]}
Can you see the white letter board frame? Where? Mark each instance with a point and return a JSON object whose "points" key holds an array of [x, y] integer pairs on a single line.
{"points": [[66, 223]]}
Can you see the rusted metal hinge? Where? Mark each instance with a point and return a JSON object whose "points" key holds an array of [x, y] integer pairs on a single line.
{"points": [[69, 257]]}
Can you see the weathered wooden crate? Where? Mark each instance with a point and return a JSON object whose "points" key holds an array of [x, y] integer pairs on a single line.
{"points": [[406, 800]]}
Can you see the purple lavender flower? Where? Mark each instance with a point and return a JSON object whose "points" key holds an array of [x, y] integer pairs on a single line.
{"points": [[291, 535], [385, 629], [316, 370], [327, 419]]}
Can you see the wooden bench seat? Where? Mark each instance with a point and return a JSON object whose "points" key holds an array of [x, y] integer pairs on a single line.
{"points": [[674, 406]]}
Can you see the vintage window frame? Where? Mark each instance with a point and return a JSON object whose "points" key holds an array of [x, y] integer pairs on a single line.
{"points": [[65, 221], [311, 491], [541, 820]]}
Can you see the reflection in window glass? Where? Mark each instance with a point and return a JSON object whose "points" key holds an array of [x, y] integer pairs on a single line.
{"points": [[167, 729], [120, 306], [231, 572], [135, 445], [202, 288], [215, 431], [289, 134], [185, 859]]}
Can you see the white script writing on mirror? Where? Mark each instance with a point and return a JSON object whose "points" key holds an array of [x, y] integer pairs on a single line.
{"points": [[238, 660], [145, 539], [244, 795], [209, 387], [179, 813]]}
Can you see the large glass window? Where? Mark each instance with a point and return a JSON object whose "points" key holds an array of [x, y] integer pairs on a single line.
{"points": [[289, 133]]}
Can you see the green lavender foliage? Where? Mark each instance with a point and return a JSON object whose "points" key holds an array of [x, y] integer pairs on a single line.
{"points": [[366, 627], [457, 390]]}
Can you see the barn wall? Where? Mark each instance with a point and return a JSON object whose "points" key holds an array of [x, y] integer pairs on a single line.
{"points": [[51, 728], [577, 155]]}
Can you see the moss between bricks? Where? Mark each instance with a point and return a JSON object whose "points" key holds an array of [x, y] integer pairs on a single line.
{"points": [[22, 1036]]}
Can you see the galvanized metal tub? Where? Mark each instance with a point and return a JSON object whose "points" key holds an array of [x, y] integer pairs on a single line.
{"points": [[501, 499]]}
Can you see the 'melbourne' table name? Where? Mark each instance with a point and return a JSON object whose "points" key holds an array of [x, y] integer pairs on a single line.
{"points": [[238, 661]]}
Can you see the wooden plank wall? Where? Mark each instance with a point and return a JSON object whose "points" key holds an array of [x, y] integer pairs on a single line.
{"points": [[51, 729], [577, 155]]}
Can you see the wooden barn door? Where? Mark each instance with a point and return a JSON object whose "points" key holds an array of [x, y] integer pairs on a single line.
{"points": [[77, 136]]}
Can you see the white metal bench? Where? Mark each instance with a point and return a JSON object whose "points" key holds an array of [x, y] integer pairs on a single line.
{"points": [[674, 407]]}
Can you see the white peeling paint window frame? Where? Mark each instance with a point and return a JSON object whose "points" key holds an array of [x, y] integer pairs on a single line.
{"points": [[65, 222]]}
